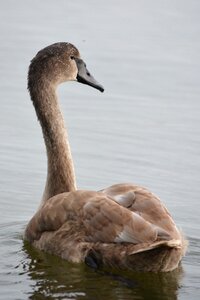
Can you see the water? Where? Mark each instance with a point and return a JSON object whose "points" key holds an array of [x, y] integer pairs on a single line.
{"points": [[145, 128]]}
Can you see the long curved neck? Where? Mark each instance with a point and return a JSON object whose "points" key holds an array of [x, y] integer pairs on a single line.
{"points": [[60, 173]]}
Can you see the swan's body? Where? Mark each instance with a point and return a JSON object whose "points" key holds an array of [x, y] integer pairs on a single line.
{"points": [[124, 225]]}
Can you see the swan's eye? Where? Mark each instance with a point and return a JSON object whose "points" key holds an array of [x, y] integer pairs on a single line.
{"points": [[72, 57], [88, 73]]}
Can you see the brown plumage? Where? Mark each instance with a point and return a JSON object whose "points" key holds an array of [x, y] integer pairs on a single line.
{"points": [[122, 226]]}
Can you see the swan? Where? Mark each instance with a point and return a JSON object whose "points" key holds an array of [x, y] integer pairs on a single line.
{"points": [[125, 225]]}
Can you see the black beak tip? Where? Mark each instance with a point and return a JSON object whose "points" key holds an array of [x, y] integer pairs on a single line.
{"points": [[101, 89]]}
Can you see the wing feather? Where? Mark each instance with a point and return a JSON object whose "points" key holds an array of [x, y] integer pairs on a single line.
{"points": [[107, 221]]}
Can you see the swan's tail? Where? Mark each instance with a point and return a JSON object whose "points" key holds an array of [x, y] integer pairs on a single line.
{"points": [[168, 244], [161, 256]]}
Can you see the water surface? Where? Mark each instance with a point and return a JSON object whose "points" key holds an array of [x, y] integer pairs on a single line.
{"points": [[144, 129]]}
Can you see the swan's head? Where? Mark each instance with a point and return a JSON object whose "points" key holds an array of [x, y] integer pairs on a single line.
{"points": [[61, 62]]}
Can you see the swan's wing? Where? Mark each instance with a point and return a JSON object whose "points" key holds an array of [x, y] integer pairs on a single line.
{"points": [[106, 221], [98, 216], [144, 203]]}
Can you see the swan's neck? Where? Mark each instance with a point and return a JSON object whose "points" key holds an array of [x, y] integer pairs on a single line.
{"points": [[60, 173]]}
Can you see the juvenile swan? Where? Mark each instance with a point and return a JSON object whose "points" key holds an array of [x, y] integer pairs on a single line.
{"points": [[123, 225]]}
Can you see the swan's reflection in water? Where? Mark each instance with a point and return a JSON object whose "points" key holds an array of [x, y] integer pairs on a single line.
{"points": [[54, 278]]}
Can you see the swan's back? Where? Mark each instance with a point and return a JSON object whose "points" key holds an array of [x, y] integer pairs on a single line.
{"points": [[86, 224]]}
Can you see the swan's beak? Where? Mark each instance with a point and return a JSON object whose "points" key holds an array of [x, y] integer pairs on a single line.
{"points": [[85, 77]]}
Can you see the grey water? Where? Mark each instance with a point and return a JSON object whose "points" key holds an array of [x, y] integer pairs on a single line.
{"points": [[144, 129]]}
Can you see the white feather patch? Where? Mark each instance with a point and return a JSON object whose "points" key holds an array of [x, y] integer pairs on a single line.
{"points": [[126, 199], [125, 237]]}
